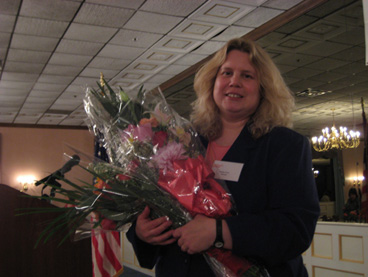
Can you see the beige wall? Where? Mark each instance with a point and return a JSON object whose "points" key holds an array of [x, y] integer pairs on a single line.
{"points": [[39, 152]]}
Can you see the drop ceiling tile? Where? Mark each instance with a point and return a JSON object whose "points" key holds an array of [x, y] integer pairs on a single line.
{"points": [[327, 77], [281, 4], [40, 27], [197, 30], [120, 52], [159, 57], [284, 69], [50, 119], [56, 88], [75, 90], [258, 17], [221, 12], [18, 55], [352, 68], [352, 36], [150, 22], [320, 49], [15, 85], [297, 60], [35, 106], [9, 6], [232, 32], [78, 97], [135, 38], [86, 81], [303, 73], [22, 77], [65, 70], [33, 43], [352, 54], [108, 63], [55, 79], [118, 3], [101, 15], [90, 33], [297, 24], [351, 15], [304, 84], [161, 78], [14, 91], [69, 59], [174, 69], [43, 100], [2, 53], [190, 59], [321, 30], [6, 23], [70, 106], [50, 94], [70, 121], [144, 68], [59, 10], [26, 119], [209, 47], [249, 2], [172, 7], [327, 64], [95, 73], [7, 117], [180, 45], [79, 47], [11, 98], [10, 104], [24, 67], [4, 40]]}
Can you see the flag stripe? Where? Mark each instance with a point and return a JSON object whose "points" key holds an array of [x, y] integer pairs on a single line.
{"points": [[109, 253], [99, 259]]}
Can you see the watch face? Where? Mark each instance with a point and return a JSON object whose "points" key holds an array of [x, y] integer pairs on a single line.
{"points": [[219, 244]]}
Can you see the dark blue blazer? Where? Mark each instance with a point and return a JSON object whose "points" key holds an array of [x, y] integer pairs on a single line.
{"points": [[277, 208]]}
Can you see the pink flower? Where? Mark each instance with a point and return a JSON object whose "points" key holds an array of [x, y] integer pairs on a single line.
{"points": [[140, 133], [168, 154]]}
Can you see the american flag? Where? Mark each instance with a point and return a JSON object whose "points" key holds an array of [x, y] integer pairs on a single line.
{"points": [[106, 246]]}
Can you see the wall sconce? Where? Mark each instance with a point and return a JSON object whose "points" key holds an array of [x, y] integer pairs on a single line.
{"points": [[25, 181], [315, 173], [357, 181]]}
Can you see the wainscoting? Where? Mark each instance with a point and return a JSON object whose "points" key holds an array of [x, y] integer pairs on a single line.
{"points": [[338, 250]]}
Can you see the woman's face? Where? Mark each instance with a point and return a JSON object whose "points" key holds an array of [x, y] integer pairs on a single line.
{"points": [[236, 91]]}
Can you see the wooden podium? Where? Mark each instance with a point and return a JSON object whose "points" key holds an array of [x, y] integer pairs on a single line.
{"points": [[19, 234]]}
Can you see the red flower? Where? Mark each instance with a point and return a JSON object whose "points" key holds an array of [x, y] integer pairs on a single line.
{"points": [[159, 138], [122, 177]]}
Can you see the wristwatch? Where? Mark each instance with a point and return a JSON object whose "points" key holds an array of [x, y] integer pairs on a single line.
{"points": [[219, 241]]}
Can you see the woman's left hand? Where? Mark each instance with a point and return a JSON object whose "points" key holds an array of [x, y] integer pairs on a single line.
{"points": [[197, 235]]}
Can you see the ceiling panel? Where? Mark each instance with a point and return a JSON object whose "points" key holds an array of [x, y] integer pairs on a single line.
{"points": [[50, 53]]}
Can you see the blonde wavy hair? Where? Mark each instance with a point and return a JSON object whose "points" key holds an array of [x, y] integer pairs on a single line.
{"points": [[277, 101]]}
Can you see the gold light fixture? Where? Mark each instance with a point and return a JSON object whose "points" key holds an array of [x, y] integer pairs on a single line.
{"points": [[337, 139]]}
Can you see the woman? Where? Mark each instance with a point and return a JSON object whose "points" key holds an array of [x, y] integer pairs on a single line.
{"points": [[242, 111]]}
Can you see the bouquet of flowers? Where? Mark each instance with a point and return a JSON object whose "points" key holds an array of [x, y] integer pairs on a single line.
{"points": [[155, 159]]}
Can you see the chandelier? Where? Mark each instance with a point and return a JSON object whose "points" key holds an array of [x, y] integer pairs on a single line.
{"points": [[336, 139]]}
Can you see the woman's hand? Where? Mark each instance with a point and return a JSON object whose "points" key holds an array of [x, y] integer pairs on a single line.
{"points": [[197, 235], [153, 231]]}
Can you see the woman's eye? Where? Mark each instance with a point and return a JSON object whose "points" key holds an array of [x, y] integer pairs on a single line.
{"points": [[226, 73]]}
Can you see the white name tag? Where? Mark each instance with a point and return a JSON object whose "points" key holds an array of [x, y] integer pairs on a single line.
{"points": [[228, 171]]}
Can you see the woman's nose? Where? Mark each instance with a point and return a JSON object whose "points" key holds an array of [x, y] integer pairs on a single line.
{"points": [[235, 80]]}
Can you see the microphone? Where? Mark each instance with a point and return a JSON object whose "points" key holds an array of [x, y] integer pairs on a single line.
{"points": [[60, 172], [69, 164]]}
